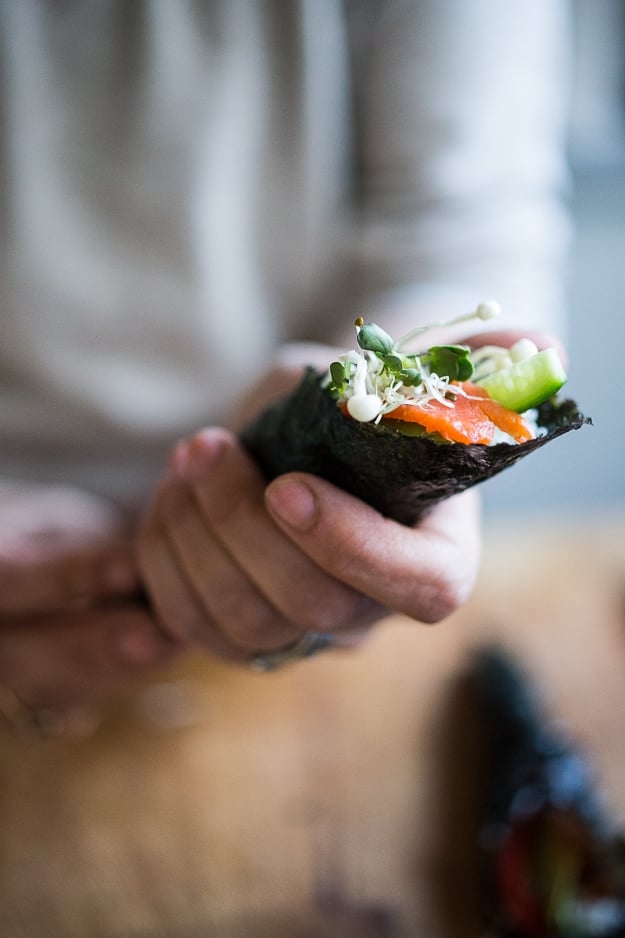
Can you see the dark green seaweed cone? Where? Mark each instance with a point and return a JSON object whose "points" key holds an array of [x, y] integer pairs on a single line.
{"points": [[401, 476]]}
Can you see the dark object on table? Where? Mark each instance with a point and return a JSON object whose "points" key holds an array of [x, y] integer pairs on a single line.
{"points": [[552, 864], [401, 476]]}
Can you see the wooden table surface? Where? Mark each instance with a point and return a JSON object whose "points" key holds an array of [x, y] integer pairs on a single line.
{"points": [[331, 799]]}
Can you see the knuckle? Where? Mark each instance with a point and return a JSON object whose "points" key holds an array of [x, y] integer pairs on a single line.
{"points": [[321, 616], [316, 606], [441, 596], [311, 618], [244, 631], [188, 624], [444, 584], [178, 614], [254, 626], [335, 609]]}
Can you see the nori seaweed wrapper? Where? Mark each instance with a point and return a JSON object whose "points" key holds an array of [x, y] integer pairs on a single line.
{"points": [[552, 859], [401, 476]]}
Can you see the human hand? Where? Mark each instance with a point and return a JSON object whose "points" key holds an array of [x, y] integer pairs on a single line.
{"points": [[228, 565], [241, 568], [69, 632], [60, 546], [58, 669]]}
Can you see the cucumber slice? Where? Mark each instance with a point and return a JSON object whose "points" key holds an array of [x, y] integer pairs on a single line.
{"points": [[526, 383]]}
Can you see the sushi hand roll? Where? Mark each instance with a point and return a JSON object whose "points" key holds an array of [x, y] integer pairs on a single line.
{"points": [[403, 430]]}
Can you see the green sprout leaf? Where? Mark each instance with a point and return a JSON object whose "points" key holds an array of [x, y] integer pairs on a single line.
{"points": [[339, 376], [405, 369], [410, 376], [374, 339], [451, 361], [393, 362]]}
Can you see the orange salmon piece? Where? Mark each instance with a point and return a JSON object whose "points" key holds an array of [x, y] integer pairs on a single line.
{"points": [[507, 420], [465, 422]]}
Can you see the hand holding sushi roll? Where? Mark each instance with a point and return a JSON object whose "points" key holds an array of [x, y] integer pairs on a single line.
{"points": [[245, 568], [404, 430]]}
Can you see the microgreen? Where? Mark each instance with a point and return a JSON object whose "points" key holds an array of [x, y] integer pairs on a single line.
{"points": [[381, 375], [449, 361], [410, 376], [393, 362], [446, 361], [374, 339], [339, 376]]}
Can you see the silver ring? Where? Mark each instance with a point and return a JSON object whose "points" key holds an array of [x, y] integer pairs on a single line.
{"points": [[311, 643]]}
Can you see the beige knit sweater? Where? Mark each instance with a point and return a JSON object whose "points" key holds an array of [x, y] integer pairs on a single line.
{"points": [[187, 185]]}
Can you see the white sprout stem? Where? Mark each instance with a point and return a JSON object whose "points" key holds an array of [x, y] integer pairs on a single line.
{"points": [[359, 385], [488, 351], [487, 310], [373, 391]]}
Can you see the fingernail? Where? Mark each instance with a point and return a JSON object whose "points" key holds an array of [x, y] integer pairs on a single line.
{"points": [[179, 459], [293, 503], [202, 454]]}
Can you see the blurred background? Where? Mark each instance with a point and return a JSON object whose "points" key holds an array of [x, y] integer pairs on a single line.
{"points": [[585, 471]]}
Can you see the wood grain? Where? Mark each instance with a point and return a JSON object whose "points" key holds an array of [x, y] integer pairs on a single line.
{"points": [[333, 798]]}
